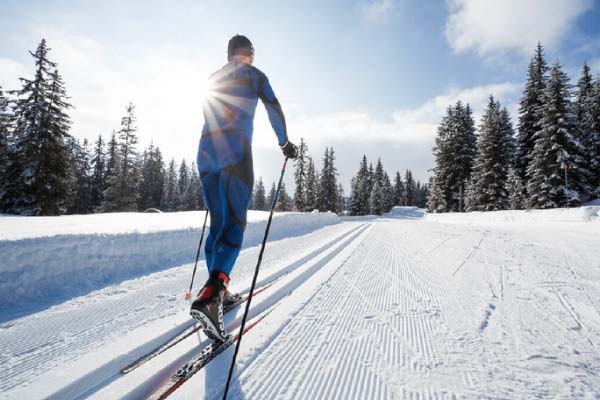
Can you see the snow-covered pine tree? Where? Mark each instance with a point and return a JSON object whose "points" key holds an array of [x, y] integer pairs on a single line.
{"points": [[376, 199], [436, 202], [153, 179], [82, 179], [300, 174], [398, 190], [328, 185], [171, 197], [259, 202], [471, 196], [530, 109], [38, 171], [123, 182], [5, 130], [515, 190], [594, 141], [555, 143], [493, 161], [388, 193], [409, 189], [360, 193], [455, 151], [584, 118], [98, 173], [312, 187]]}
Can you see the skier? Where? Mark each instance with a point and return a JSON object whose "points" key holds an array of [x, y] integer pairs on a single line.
{"points": [[226, 171]]}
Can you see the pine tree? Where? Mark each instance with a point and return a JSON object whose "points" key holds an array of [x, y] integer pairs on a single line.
{"points": [[184, 177], [455, 151], [360, 192], [376, 199], [259, 201], [530, 109], [192, 197], [271, 196], [300, 176], [284, 202], [437, 197], [341, 206], [38, 171], [5, 130], [98, 173], [328, 186], [123, 182], [398, 190], [409, 189], [555, 144], [171, 197], [515, 190], [584, 115], [594, 141], [153, 179], [312, 187], [82, 179], [493, 161], [388, 193]]}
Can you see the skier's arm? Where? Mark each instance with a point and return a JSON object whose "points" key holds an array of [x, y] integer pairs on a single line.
{"points": [[274, 111]]}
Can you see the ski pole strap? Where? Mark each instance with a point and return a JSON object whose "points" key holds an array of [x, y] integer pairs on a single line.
{"points": [[260, 255]]}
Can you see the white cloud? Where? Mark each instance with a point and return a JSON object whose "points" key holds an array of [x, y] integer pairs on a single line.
{"points": [[10, 71], [378, 11], [416, 125], [485, 26]]}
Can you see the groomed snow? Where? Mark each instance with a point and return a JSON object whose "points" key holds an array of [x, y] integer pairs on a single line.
{"points": [[499, 305], [55, 258]]}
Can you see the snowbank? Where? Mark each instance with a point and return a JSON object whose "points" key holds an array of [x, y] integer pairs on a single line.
{"points": [[60, 257], [579, 214]]}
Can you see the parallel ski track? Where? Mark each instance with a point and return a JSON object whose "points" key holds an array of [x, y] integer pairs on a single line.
{"points": [[96, 382], [391, 316]]}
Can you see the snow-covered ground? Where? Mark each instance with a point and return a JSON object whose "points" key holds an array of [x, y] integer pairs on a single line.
{"points": [[482, 305]]}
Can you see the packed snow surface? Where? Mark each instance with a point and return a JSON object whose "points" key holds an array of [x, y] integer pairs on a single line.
{"points": [[407, 306], [59, 257]]}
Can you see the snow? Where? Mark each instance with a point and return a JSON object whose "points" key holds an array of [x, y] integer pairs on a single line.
{"points": [[60, 257], [502, 305]]}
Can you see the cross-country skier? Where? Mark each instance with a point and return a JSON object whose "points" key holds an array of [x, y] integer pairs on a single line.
{"points": [[226, 171]]}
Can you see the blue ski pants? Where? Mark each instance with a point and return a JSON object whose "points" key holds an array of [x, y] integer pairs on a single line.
{"points": [[227, 194]]}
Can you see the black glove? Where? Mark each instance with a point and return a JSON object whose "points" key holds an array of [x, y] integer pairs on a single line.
{"points": [[290, 150]]}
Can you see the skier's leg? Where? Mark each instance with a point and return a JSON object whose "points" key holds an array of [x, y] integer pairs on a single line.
{"points": [[215, 203], [236, 187]]}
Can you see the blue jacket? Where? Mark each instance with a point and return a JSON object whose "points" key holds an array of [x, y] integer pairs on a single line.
{"points": [[229, 115]]}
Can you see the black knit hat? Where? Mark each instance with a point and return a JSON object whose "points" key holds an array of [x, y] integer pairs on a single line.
{"points": [[238, 42]]}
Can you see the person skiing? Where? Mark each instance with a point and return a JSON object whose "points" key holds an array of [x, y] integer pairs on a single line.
{"points": [[226, 171]]}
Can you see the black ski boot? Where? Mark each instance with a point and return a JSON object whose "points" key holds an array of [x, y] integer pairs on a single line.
{"points": [[208, 306]]}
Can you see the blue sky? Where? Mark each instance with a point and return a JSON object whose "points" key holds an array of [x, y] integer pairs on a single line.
{"points": [[368, 77]]}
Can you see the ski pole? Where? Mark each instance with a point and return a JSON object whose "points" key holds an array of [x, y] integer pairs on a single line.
{"points": [[188, 294], [260, 255]]}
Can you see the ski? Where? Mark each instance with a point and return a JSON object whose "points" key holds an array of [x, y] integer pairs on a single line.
{"points": [[186, 333], [208, 353]]}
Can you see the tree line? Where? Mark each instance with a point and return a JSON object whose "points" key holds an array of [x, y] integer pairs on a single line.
{"points": [[46, 171], [552, 161]]}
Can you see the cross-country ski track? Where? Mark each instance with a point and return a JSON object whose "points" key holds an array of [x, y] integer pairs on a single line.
{"points": [[408, 306]]}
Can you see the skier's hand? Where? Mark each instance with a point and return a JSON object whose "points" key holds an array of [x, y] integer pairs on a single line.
{"points": [[290, 150]]}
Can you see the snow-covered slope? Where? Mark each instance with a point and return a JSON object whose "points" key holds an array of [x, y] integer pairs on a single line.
{"points": [[56, 258], [408, 306]]}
